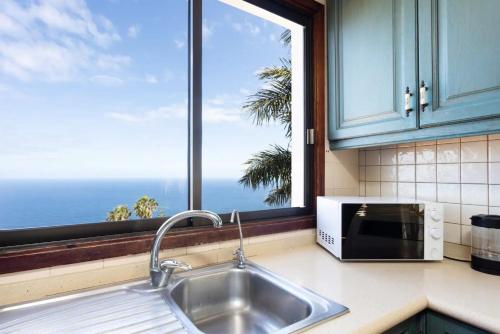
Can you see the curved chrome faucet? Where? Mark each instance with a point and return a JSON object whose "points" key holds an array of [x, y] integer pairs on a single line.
{"points": [[161, 272], [239, 253]]}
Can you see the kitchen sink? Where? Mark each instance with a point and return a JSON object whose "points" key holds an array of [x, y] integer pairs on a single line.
{"points": [[225, 299], [215, 299]]}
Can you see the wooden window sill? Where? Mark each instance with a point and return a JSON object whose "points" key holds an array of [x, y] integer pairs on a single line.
{"points": [[75, 251]]}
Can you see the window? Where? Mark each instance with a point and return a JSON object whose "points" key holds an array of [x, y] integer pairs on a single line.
{"points": [[252, 155], [193, 104]]}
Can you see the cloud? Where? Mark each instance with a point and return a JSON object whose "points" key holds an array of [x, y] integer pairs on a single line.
{"points": [[149, 78], [207, 29], [55, 40], [7, 92], [213, 114], [133, 31], [223, 109], [113, 62], [106, 80], [246, 27], [175, 111], [179, 44]]}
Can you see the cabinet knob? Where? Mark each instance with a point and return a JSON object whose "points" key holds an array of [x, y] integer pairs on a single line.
{"points": [[423, 96], [408, 95]]}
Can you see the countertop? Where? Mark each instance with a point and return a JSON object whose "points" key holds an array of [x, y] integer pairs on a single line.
{"points": [[381, 295]]}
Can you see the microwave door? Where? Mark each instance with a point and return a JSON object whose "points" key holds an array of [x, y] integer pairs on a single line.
{"points": [[381, 231]]}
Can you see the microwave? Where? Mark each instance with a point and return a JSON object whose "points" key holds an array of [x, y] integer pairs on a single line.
{"points": [[380, 229]]}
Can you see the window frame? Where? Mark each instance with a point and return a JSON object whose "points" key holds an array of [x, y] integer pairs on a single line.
{"points": [[80, 242]]}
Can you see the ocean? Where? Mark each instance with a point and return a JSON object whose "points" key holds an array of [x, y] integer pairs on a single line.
{"points": [[39, 203]]}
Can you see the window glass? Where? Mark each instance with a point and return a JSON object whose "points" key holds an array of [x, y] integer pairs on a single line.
{"points": [[252, 159], [93, 111]]}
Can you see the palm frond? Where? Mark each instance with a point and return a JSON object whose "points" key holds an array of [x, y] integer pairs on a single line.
{"points": [[273, 101], [270, 168], [286, 37]]}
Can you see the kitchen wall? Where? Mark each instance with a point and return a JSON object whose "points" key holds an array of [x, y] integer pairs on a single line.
{"points": [[341, 173], [461, 173]]}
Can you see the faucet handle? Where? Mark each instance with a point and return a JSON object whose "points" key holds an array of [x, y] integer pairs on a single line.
{"points": [[174, 264]]}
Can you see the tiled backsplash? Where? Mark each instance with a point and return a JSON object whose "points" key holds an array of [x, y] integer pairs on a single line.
{"points": [[462, 173]]}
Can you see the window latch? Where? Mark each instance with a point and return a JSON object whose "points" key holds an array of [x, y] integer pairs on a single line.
{"points": [[310, 136]]}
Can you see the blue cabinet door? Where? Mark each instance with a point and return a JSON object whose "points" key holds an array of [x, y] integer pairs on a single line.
{"points": [[439, 324], [371, 59], [459, 56]]}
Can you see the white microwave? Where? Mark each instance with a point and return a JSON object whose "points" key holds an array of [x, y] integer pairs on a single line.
{"points": [[380, 229]]}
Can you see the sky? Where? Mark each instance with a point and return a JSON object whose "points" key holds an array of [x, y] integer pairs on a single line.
{"points": [[98, 88]]}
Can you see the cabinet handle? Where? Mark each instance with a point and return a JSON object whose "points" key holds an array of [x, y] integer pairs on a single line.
{"points": [[408, 95], [423, 96]]}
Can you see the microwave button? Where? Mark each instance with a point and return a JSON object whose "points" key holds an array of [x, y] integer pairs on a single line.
{"points": [[435, 233], [435, 215]]}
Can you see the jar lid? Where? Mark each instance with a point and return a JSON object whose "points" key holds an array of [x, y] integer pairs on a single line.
{"points": [[488, 221]]}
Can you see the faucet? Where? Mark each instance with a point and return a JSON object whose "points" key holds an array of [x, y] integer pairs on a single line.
{"points": [[239, 253], [160, 272]]}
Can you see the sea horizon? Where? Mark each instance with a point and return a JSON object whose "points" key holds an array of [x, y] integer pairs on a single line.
{"points": [[43, 202]]}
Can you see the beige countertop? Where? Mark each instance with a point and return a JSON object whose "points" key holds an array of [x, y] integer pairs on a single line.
{"points": [[381, 295]]}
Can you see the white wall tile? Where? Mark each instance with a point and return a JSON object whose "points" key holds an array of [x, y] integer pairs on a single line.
{"points": [[373, 158], [406, 145], [406, 155], [461, 173], [448, 141], [373, 189], [466, 236], [452, 233], [362, 173], [426, 191], [476, 172], [474, 151], [406, 173], [388, 173], [495, 195], [426, 154], [362, 157], [389, 157], [425, 143], [473, 138], [406, 190], [389, 189], [448, 192], [362, 188], [452, 213], [372, 173], [476, 194], [494, 173], [426, 173], [471, 210], [494, 150], [448, 173], [448, 153]]}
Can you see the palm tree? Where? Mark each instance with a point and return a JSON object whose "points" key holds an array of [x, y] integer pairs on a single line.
{"points": [[272, 167], [120, 212], [145, 207]]}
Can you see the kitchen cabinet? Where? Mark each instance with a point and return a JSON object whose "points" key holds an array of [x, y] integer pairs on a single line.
{"points": [[414, 325], [459, 48], [436, 323], [375, 60], [380, 92], [430, 322]]}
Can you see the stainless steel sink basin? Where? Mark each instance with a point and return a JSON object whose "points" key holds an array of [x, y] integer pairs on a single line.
{"points": [[224, 299]]}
